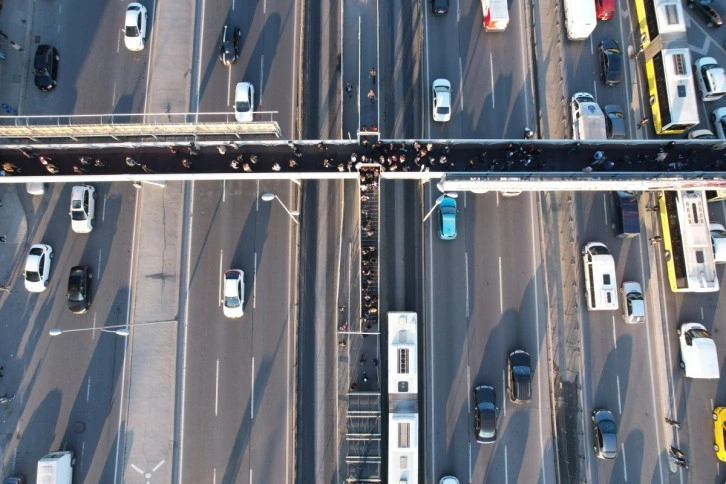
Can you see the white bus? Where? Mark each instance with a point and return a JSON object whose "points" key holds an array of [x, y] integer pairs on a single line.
{"points": [[402, 381], [687, 240], [668, 65]]}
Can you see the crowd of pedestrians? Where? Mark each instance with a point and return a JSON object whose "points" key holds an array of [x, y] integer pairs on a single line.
{"points": [[407, 156]]}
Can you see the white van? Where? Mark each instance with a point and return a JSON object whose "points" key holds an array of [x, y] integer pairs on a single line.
{"points": [[56, 468], [600, 285], [580, 18], [495, 15], [698, 351]]}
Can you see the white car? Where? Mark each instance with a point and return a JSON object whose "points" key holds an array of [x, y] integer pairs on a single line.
{"points": [[442, 100], [710, 79], [233, 286], [83, 208], [135, 27], [37, 267], [633, 302], [244, 102], [718, 118]]}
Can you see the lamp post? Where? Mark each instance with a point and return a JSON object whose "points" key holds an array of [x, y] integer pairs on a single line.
{"points": [[438, 202], [268, 197], [119, 329]]}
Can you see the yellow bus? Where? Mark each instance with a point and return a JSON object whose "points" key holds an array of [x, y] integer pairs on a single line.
{"points": [[672, 95], [687, 241]]}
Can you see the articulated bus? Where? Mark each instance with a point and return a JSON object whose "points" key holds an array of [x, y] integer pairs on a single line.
{"points": [[686, 237], [402, 382], [672, 95]]}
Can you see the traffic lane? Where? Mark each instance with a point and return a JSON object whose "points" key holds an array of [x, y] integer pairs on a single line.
{"points": [[276, 54], [448, 385], [496, 75], [216, 81], [272, 337], [526, 427], [61, 392], [89, 40], [611, 347], [512, 322], [443, 61], [694, 400], [218, 393]]}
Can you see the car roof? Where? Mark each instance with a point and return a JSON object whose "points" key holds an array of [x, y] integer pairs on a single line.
{"points": [[448, 202], [78, 190], [132, 13], [242, 90]]}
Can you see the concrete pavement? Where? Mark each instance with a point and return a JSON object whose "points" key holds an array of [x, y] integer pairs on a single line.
{"points": [[148, 448]]}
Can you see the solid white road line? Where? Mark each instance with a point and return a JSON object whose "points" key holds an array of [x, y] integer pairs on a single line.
{"points": [[224, 191], [615, 337], [254, 283], [219, 290], [491, 77], [620, 400], [466, 281], [501, 290], [461, 92], [534, 226], [98, 267], [186, 331], [88, 389], [506, 461], [132, 273], [262, 79], [605, 207], [216, 390], [504, 392], [252, 391], [625, 464], [103, 209]]}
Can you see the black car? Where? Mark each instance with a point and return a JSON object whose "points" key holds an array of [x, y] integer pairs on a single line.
{"points": [[626, 218], [606, 434], [520, 376], [78, 289], [707, 13], [614, 122], [439, 7], [611, 62], [45, 67], [485, 414], [229, 48]]}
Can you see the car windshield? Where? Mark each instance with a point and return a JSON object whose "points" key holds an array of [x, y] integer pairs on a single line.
{"points": [[635, 296], [32, 276], [132, 31], [698, 333], [599, 250], [78, 215], [228, 48], [442, 110], [608, 427], [231, 301], [75, 296], [242, 106]]}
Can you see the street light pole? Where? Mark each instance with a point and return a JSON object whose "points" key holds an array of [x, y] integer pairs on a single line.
{"points": [[119, 329], [438, 202], [268, 197]]}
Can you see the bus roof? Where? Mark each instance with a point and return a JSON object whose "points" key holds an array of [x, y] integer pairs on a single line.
{"points": [[679, 85], [670, 18]]}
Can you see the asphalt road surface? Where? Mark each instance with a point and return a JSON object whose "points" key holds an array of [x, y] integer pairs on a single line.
{"points": [[68, 387], [484, 300], [238, 417]]}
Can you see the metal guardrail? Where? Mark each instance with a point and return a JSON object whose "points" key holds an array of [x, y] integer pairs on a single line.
{"points": [[116, 126]]}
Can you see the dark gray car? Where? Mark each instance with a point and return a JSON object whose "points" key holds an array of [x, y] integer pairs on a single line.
{"points": [[520, 376], [485, 414], [614, 122], [606, 434]]}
